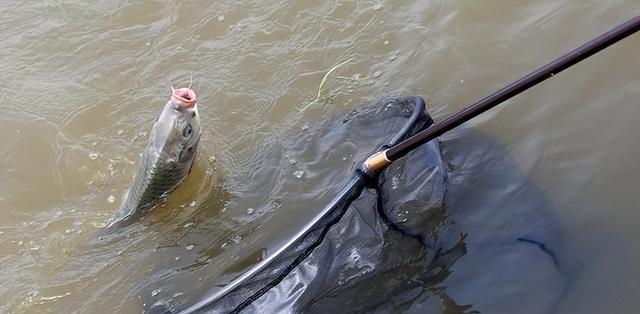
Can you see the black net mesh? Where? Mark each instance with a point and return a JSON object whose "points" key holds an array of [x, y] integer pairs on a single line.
{"points": [[373, 249]]}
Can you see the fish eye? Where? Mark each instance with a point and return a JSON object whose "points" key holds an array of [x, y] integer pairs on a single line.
{"points": [[186, 132]]}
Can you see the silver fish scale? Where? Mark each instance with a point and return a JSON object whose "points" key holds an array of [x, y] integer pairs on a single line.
{"points": [[156, 178]]}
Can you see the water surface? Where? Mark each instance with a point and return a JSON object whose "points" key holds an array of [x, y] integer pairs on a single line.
{"points": [[82, 83]]}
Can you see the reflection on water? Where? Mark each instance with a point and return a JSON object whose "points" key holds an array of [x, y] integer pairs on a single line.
{"points": [[512, 235], [82, 83]]}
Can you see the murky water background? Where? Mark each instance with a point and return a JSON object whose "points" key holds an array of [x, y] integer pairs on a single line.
{"points": [[82, 82]]}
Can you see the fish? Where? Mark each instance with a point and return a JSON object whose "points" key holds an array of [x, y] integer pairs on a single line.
{"points": [[167, 159]]}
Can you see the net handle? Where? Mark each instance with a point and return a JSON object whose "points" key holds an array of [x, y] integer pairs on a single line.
{"points": [[382, 159]]}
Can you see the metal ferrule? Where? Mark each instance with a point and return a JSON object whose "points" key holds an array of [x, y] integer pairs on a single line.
{"points": [[376, 162]]}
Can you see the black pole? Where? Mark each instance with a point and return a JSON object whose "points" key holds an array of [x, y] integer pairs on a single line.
{"points": [[595, 45]]}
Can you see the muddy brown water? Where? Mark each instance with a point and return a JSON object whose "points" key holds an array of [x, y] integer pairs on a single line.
{"points": [[81, 83]]}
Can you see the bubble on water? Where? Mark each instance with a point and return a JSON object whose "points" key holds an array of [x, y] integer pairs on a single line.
{"points": [[224, 245], [298, 174], [155, 292], [220, 18], [187, 225], [386, 42], [236, 239], [275, 204], [112, 171], [111, 199], [292, 161], [377, 7], [377, 74], [177, 258], [147, 44], [395, 182], [93, 155], [32, 295], [101, 224], [304, 128], [192, 204], [250, 211], [212, 159], [70, 230], [120, 131], [34, 248], [189, 247]]}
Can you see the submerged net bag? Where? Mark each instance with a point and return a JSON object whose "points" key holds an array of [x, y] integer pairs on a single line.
{"points": [[373, 248]]}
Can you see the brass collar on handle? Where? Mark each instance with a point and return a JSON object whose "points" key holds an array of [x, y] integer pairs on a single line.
{"points": [[377, 162]]}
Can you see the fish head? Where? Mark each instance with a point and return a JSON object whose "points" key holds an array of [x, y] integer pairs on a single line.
{"points": [[176, 132]]}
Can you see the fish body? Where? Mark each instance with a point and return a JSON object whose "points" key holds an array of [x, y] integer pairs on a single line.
{"points": [[167, 159]]}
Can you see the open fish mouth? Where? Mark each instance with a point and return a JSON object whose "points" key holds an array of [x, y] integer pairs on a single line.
{"points": [[186, 97]]}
